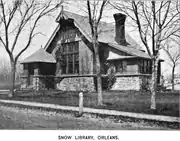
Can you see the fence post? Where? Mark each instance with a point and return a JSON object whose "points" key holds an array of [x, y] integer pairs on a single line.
{"points": [[80, 103]]}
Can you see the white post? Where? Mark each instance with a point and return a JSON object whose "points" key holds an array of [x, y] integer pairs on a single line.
{"points": [[80, 103]]}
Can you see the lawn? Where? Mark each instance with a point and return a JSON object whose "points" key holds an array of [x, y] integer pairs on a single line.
{"points": [[129, 101], [17, 118]]}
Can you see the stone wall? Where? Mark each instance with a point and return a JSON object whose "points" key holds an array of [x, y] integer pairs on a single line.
{"points": [[131, 83], [24, 82], [76, 84], [127, 83], [37, 84], [87, 83]]}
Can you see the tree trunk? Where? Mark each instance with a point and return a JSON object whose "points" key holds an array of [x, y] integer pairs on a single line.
{"points": [[154, 84], [99, 80], [172, 81], [98, 68], [13, 71]]}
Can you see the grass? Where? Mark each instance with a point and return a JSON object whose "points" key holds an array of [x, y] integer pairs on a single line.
{"points": [[129, 101], [37, 117]]}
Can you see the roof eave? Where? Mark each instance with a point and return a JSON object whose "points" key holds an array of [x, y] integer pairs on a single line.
{"points": [[51, 37], [111, 45], [37, 62], [125, 58]]}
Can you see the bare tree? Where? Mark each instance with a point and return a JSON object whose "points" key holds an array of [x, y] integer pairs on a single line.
{"points": [[95, 11], [155, 22], [173, 54], [18, 17]]}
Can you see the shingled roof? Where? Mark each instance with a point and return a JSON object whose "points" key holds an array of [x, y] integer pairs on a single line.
{"points": [[106, 34], [40, 56]]}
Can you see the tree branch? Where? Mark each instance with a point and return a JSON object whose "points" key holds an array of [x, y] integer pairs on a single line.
{"points": [[144, 39], [43, 12], [101, 11], [6, 31], [90, 16]]}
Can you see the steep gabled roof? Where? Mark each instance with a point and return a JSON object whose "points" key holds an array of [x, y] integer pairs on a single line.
{"points": [[130, 50], [40, 56], [106, 34]]}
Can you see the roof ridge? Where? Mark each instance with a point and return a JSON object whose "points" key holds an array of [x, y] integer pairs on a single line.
{"points": [[65, 11], [80, 15]]}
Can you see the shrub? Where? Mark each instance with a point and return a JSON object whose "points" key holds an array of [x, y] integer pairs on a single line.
{"points": [[111, 76]]}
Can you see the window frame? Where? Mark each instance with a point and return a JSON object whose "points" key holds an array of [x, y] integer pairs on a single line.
{"points": [[145, 66], [66, 53]]}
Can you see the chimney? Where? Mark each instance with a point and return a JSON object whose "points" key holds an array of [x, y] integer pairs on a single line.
{"points": [[120, 28]]}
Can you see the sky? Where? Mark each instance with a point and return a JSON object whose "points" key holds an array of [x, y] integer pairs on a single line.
{"points": [[47, 26]]}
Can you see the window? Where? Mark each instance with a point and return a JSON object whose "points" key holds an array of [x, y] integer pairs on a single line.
{"points": [[121, 66], [145, 66], [149, 65], [70, 58]]}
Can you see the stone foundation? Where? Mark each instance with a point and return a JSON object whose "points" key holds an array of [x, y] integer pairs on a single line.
{"points": [[87, 83], [131, 83], [39, 82], [76, 84], [24, 83]]}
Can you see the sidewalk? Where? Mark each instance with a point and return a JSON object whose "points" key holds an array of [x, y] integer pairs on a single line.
{"points": [[97, 111]]}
